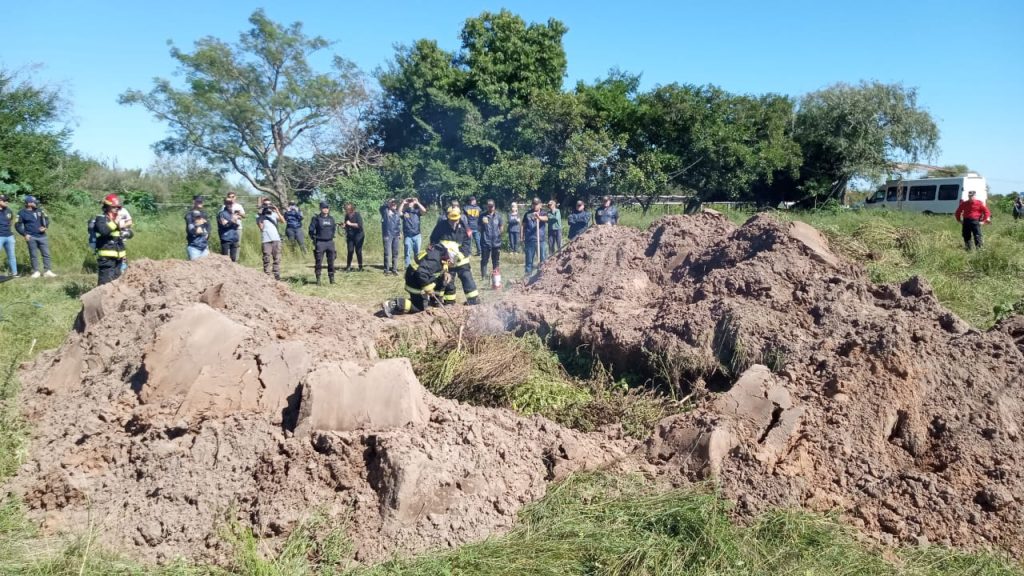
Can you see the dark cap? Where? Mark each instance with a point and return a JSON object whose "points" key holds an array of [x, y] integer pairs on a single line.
{"points": [[198, 199], [324, 204], [31, 200], [3, 197]]}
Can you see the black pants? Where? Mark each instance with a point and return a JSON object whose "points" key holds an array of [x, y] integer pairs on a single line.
{"points": [[465, 276], [109, 269], [229, 249], [355, 246], [492, 253], [320, 248], [972, 228], [513, 241], [295, 235]]}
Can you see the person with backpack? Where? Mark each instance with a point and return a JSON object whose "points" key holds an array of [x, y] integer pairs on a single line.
{"points": [[32, 225], [110, 237]]}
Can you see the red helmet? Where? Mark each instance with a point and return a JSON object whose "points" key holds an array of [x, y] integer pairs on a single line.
{"points": [[112, 200]]}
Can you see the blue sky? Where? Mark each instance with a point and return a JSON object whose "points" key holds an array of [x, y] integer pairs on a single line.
{"points": [[965, 58]]}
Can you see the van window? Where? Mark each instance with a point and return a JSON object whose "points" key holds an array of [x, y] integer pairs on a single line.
{"points": [[878, 197], [891, 194], [949, 192], [922, 193]]}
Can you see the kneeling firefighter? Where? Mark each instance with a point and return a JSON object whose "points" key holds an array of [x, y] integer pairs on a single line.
{"points": [[424, 276], [110, 252], [453, 235]]}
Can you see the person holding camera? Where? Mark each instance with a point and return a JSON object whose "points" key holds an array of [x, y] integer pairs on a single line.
{"points": [[270, 236], [411, 211], [197, 231], [229, 229], [390, 231]]}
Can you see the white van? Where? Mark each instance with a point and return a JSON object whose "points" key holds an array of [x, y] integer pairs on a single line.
{"points": [[928, 195]]}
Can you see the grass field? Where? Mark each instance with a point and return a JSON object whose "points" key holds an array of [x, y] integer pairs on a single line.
{"points": [[590, 524]]}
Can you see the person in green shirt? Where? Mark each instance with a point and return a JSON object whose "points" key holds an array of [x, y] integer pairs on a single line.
{"points": [[554, 227]]}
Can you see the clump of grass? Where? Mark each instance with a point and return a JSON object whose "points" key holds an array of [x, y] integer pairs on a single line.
{"points": [[614, 525]]}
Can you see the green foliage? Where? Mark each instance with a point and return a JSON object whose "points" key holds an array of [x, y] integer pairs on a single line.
{"points": [[245, 105], [366, 189], [33, 140], [860, 131]]}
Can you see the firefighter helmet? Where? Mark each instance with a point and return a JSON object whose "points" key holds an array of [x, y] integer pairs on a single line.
{"points": [[112, 201]]}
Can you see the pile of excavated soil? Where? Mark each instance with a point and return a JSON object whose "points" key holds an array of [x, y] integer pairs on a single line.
{"points": [[879, 402], [192, 395]]}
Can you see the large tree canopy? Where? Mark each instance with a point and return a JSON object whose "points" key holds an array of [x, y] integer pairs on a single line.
{"points": [[248, 105], [33, 139], [861, 131]]}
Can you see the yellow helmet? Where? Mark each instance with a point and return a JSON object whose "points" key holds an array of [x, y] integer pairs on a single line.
{"points": [[454, 213]]}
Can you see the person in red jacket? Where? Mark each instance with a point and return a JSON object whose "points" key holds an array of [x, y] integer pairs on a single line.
{"points": [[971, 214]]}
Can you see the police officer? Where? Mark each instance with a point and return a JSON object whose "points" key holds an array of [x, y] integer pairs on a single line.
{"points": [[110, 252], [424, 276], [322, 229]]}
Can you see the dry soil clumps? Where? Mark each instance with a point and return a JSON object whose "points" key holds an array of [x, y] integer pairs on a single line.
{"points": [[826, 390], [195, 393]]}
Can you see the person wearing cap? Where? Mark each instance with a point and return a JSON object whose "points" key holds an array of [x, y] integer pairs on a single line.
{"points": [[390, 232], [32, 226], [971, 214], [453, 235], [514, 228], [197, 230], [322, 229], [533, 234], [491, 227], [472, 213], [554, 227], [579, 220], [7, 236], [238, 210], [606, 213], [411, 211], [229, 229], [293, 226]]}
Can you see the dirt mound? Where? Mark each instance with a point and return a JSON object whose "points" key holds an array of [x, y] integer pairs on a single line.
{"points": [[838, 393], [192, 394]]}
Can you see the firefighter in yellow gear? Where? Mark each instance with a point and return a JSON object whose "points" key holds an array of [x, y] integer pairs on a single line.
{"points": [[110, 252], [425, 276]]}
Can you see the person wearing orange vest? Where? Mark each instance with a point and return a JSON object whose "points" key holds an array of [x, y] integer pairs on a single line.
{"points": [[972, 214], [110, 252]]}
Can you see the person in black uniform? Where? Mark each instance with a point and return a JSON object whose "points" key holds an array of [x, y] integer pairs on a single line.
{"points": [[454, 235], [424, 276], [322, 229], [354, 236]]}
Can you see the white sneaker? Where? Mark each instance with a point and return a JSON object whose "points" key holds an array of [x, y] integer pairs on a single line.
{"points": [[35, 274], [50, 274]]}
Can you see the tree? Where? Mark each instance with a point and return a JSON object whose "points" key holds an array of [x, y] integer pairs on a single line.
{"points": [[33, 139], [948, 171], [248, 105], [861, 131]]}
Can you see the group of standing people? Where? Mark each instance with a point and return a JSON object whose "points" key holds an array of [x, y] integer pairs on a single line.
{"points": [[31, 224]]}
